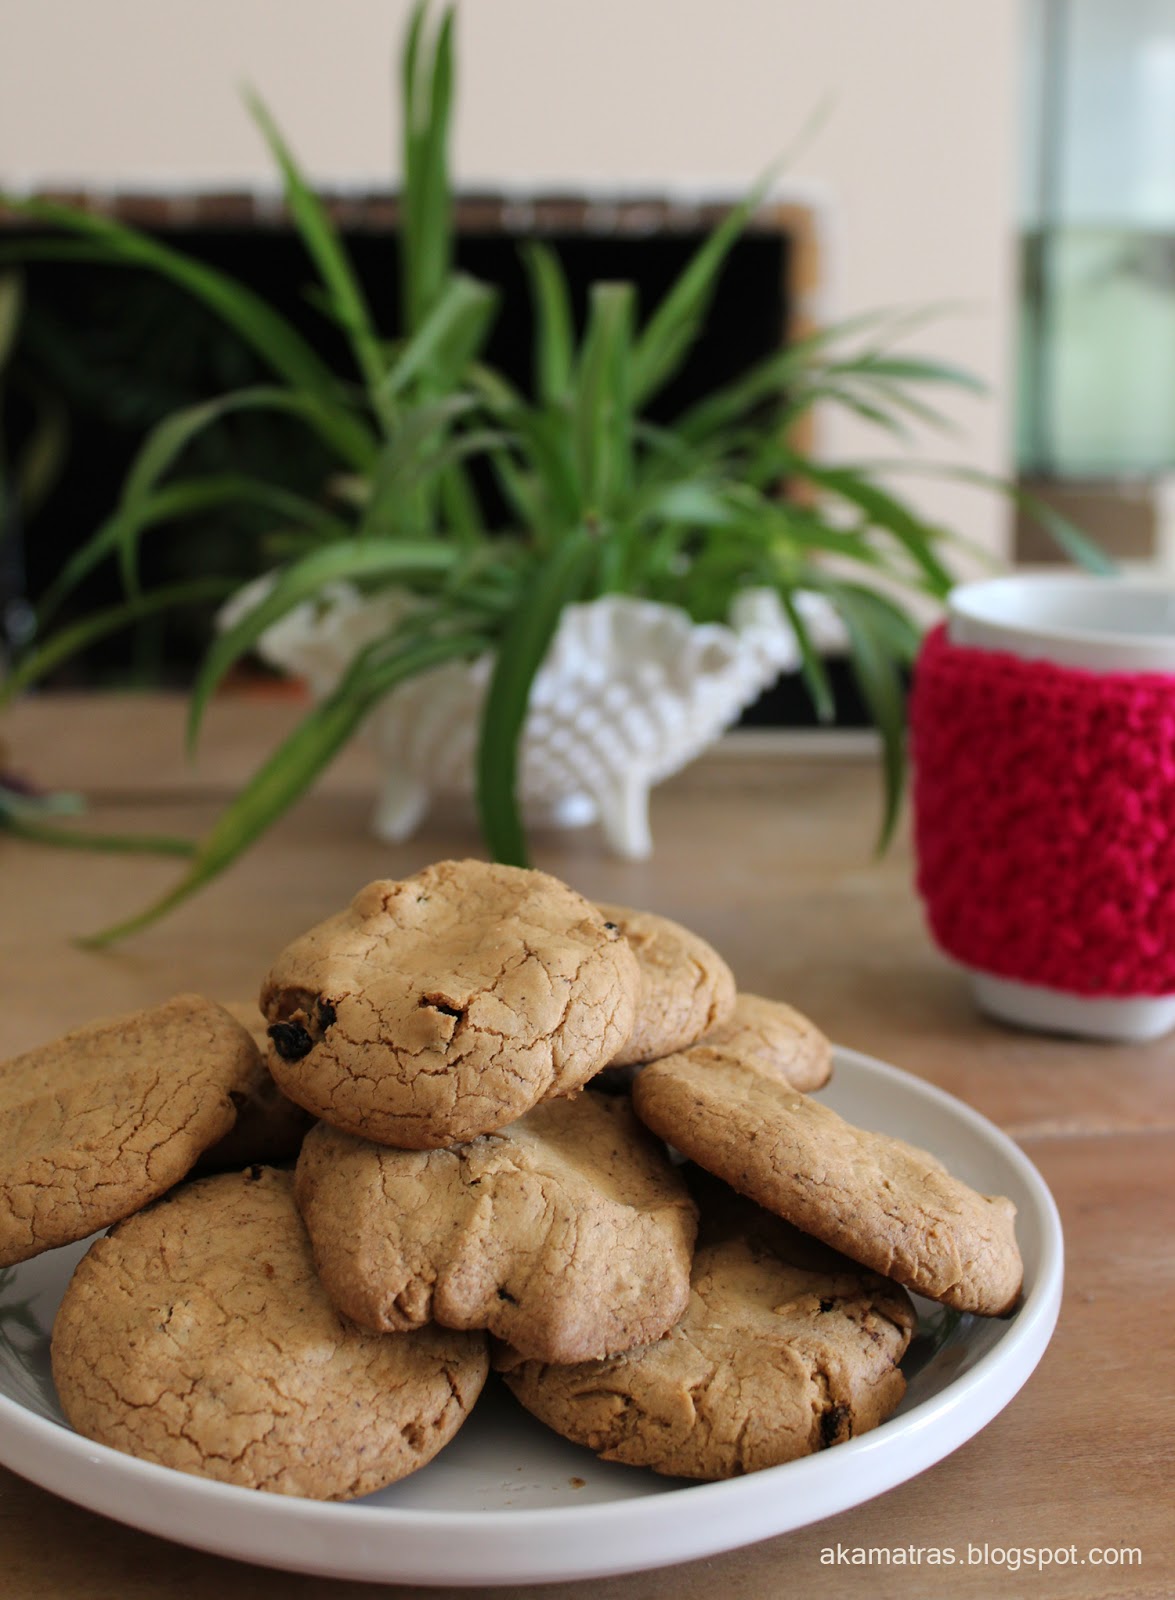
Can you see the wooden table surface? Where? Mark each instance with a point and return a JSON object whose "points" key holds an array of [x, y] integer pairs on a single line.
{"points": [[768, 854]]}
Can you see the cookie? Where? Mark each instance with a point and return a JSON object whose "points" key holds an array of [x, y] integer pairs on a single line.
{"points": [[567, 1233], [686, 987], [196, 1335], [102, 1121], [445, 1006], [774, 1359], [876, 1199], [269, 1128], [775, 1037]]}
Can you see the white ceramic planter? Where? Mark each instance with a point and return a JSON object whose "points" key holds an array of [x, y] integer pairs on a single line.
{"points": [[630, 692]]}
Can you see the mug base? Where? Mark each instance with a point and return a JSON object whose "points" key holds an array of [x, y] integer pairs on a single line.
{"points": [[1027, 1005]]}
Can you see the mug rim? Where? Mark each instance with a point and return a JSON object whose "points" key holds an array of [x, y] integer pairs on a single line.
{"points": [[961, 602]]}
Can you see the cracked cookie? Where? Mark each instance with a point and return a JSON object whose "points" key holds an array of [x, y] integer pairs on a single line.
{"points": [[100, 1122], [445, 1006], [779, 1355], [686, 987], [567, 1233], [197, 1335], [269, 1128], [882, 1202], [774, 1036]]}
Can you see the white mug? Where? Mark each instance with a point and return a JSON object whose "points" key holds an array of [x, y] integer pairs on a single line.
{"points": [[1099, 625]]}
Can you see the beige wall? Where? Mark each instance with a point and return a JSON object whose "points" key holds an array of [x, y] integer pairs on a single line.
{"points": [[915, 159]]}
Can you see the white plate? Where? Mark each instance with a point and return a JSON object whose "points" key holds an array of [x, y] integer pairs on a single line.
{"points": [[509, 1502]]}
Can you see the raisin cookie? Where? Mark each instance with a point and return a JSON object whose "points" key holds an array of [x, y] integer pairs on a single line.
{"points": [[567, 1233], [778, 1355], [686, 987], [197, 1335], [882, 1202], [776, 1037], [102, 1121], [269, 1128], [443, 1007]]}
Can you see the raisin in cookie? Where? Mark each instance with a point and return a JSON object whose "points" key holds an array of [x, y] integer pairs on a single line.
{"points": [[197, 1335], [882, 1202], [100, 1122], [778, 1355], [686, 987], [269, 1128], [445, 1006], [567, 1233], [776, 1037]]}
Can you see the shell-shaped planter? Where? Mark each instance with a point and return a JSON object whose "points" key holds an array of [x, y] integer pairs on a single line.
{"points": [[630, 691]]}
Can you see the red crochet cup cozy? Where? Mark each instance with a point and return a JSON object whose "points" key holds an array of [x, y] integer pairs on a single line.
{"points": [[1044, 803]]}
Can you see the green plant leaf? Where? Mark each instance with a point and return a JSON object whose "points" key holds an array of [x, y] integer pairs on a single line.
{"points": [[917, 537], [411, 165], [42, 458], [554, 332], [544, 486], [518, 487], [51, 833], [692, 501], [602, 401], [436, 232], [806, 363], [291, 769], [555, 583], [1064, 532], [729, 404], [274, 339], [101, 624], [671, 330], [348, 560], [548, 440], [880, 682], [916, 369], [40, 247], [459, 505], [875, 410], [446, 341], [182, 498], [325, 248], [396, 509], [812, 668], [675, 324], [169, 438], [426, 216]]}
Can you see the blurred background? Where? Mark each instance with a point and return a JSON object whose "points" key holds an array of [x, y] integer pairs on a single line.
{"points": [[1009, 162]]}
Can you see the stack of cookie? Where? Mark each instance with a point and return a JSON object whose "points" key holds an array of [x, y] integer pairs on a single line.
{"points": [[457, 1200]]}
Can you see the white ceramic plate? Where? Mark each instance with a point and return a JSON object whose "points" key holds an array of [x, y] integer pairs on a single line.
{"points": [[509, 1502]]}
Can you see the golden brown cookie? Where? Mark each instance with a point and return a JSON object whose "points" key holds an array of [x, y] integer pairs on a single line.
{"points": [[686, 987], [197, 1335], [880, 1201], [269, 1128], [98, 1123], [445, 1006], [566, 1233], [775, 1358], [776, 1037]]}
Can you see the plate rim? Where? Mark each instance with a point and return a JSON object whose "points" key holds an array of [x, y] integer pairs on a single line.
{"points": [[151, 1488]]}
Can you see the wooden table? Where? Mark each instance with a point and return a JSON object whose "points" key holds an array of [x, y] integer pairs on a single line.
{"points": [[768, 854]]}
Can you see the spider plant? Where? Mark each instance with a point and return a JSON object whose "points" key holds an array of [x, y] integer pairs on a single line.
{"points": [[600, 499]]}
